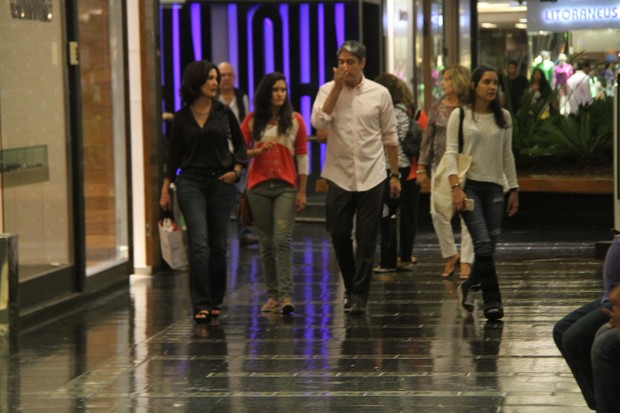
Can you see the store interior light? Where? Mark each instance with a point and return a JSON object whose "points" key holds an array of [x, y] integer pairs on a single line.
{"points": [[500, 7], [488, 25], [522, 26]]}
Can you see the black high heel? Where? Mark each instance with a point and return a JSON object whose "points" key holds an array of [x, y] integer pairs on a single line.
{"points": [[202, 317]]}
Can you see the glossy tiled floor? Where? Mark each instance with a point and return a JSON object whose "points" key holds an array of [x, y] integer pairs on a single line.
{"points": [[137, 350]]}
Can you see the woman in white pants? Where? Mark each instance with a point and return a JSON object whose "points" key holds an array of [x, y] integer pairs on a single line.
{"points": [[455, 84]]}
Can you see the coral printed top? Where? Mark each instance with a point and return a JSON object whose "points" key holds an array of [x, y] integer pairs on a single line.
{"points": [[277, 163]]}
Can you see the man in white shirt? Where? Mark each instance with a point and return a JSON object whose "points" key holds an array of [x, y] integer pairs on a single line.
{"points": [[237, 101], [359, 116], [578, 88]]}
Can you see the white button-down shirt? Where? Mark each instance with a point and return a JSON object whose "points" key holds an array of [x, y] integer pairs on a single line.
{"points": [[361, 123], [578, 90]]}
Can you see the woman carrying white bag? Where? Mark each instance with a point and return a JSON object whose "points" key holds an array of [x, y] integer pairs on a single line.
{"points": [[455, 83], [487, 138]]}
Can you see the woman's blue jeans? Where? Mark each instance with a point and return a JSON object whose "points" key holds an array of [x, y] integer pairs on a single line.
{"points": [[206, 204], [273, 208], [484, 223], [574, 335], [606, 370]]}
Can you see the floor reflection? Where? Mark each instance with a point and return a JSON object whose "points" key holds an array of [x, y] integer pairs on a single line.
{"points": [[137, 350]]}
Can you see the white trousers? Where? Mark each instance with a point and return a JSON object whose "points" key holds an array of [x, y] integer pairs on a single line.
{"points": [[445, 235]]}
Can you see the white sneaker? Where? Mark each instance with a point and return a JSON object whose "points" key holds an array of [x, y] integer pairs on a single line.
{"points": [[405, 266], [383, 269]]}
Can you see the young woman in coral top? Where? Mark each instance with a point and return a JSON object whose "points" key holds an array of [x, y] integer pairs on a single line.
{"points": [[276, 137]]}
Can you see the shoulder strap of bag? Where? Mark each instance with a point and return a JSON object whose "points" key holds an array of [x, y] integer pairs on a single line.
{"points": [[462, 116], [417, 114], [231, 146]]}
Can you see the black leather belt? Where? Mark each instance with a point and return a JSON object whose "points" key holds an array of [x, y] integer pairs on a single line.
{"points": [[204, 172]]}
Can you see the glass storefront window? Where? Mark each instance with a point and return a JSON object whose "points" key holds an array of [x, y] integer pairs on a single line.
{"points": [[33, 137], [428, 51], [104, 137]]}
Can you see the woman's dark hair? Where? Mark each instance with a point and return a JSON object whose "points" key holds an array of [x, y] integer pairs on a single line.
{"points": [[543, 84], [262, 106], [195, 75], [399, 91], [495, 106]]}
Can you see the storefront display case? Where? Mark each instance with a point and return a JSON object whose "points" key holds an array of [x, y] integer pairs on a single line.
{"points": [[23, 166]]}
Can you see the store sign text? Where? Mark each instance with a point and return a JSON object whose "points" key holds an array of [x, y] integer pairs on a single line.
{"points": [[587, 15], [574, 15]]}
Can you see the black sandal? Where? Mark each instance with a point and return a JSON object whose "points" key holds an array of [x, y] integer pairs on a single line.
{"points": [[202, 317], [216, 311]]}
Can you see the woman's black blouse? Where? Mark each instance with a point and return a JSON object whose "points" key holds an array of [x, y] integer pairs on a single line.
{"points": [[207, 148]]}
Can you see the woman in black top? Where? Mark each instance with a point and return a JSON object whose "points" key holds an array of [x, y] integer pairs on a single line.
{"points": [[207, 146], [541, 97]]}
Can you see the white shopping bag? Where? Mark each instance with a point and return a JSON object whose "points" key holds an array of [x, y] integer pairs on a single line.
{"points": [[173, 249]]}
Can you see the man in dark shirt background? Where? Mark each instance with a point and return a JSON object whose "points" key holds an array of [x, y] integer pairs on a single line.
{"points": [[516, 85]]}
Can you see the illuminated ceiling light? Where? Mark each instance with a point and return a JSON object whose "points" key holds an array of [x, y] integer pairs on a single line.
{"points": [[488, 25], [500, 7], [521, 26]]}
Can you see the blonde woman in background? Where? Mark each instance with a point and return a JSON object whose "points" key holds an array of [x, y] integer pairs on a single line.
{"points": [[455, 83]]}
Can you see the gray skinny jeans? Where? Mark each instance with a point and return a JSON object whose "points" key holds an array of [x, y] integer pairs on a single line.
{"points": [[273, 207]]}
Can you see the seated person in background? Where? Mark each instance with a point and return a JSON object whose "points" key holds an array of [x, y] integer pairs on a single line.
{"points": [[576, 334]]}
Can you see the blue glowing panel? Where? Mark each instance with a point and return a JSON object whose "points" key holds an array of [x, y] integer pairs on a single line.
{"points": [[233, 39], [340, 16], [196, 30], [162, 60], [268, 40], [285, 42], [176, 57], [304, 43], [305, 110], [250, 44], [321, 39]]}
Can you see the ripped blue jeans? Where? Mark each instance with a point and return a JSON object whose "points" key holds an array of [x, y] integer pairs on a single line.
{"points": [[484, 223]]}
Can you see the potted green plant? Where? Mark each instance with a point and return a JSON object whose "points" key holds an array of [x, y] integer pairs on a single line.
{"points": [[577, 143]]}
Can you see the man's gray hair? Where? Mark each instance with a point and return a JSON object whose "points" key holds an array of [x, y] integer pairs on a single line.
{"points": [[354, 47]]}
